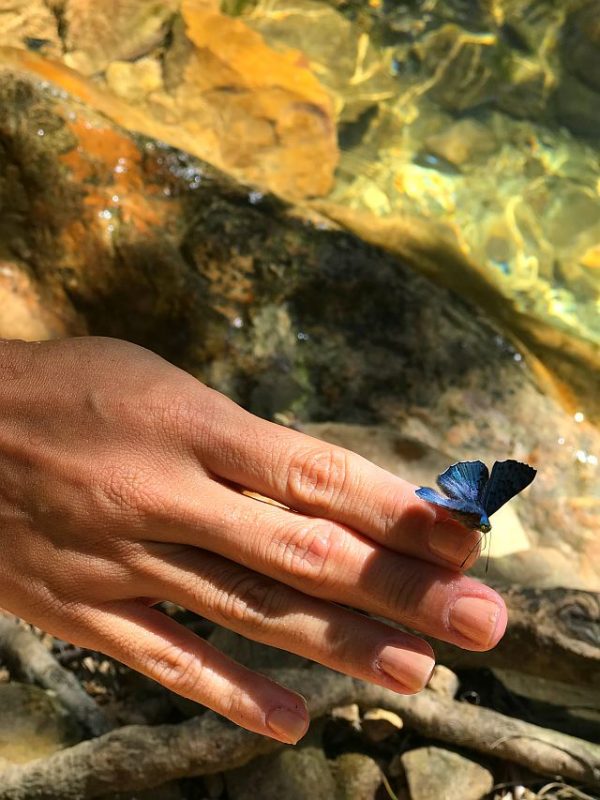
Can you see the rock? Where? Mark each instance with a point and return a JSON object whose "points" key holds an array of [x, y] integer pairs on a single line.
{"points": [[134, 81], [379, 724], [462, 68], [433, 772], [578, 107], [294, 774], [29, 24], [444, 681], [119, 31], [214, 784], [463, 142], [33, 724], [348, 64], [228, 98], [357, 777], [525, 91], [541, 567], [581, 44], [265, 111]]}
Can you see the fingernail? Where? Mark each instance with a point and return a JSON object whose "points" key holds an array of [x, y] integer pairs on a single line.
{"points": [[287, 724], [475, 618], [411, 669], [451, 542]]}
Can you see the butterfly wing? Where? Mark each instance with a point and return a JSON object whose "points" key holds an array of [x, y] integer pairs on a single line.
{"points": [[452, 504], [508, 478], [467, 511], [465, 480]]}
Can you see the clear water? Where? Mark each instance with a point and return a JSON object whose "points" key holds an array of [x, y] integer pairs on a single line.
{"points": [[482, 116]]}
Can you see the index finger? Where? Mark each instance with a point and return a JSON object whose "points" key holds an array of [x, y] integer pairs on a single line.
{"points": [[328, 481]]}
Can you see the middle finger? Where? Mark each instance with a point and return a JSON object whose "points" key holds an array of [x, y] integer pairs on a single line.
{"points": [[328, 560]]}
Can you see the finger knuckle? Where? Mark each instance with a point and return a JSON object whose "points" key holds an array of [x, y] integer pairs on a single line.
{"points": [[318, 476], [405, 589], [239, 707], [176, 668], [248, 602], [304, 550]]}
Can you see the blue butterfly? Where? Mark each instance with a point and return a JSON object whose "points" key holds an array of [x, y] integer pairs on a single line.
{"points": [[473, 494]]}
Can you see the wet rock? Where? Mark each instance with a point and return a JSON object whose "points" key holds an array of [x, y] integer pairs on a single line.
{"points": [[461, 66], [29, 24], [265, 111], [463, 142], [581, 44], [578, 107], [570, 215], [525, 90], [357, 777], [591, 258], [445, 775], [345, 59], [117, 30], [32, 724], [134, 81], [296, 774], [228, 97]]}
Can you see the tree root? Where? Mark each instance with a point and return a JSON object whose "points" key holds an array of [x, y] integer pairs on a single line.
{"points": [[136, 757], [28, 659]]}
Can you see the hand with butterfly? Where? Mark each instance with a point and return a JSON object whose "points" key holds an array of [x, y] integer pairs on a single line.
{"points": [[123, 480]]}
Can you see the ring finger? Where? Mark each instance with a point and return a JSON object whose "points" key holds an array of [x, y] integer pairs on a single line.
{"points": [[328, 560], [267, 611]]}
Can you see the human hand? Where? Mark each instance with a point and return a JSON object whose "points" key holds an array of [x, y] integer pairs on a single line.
{"points": [[120, 481]]}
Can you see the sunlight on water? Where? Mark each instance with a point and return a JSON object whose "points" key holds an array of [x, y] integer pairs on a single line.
{"points": [[482, 115]]}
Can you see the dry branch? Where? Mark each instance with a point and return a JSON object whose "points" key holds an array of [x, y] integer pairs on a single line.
{"points": [[28, 659], [137, 757]]}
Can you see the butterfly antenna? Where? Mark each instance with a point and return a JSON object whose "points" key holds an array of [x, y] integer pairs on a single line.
{"points": [[471, 551]]}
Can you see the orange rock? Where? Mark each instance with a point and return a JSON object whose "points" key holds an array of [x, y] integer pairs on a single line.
{"points": [[271, 116], [98, 33], [29, 23], [228, 98]]}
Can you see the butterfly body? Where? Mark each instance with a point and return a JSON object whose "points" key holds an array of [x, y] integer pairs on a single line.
{"points": [[473, 495]]}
